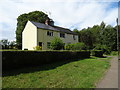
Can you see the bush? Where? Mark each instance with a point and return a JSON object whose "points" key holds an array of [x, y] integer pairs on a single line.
{"points": [[76, 46], [79, 46], [69, 47], [104, 48], [97, 53], [37, 48], [114, 53], [57, 44], [20, 59]]}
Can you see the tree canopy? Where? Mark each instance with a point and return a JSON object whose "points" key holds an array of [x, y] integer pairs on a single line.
{"points": [[36, 16], [99, 36]]}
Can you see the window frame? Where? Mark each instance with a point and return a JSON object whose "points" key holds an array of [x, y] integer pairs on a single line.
{"points": [[49, 33], [62, 35], [74, 37]]}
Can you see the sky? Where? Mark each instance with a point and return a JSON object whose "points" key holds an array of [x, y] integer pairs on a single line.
{"points": [[71, 14]]}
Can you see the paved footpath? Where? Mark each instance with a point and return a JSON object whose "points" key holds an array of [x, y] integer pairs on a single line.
{"points": [[110, 80]]}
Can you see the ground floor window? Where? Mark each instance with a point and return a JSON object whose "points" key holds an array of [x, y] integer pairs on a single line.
{"points": [[74, 37], [48, 44]]}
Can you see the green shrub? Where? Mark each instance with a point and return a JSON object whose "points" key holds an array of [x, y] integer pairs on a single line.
{"points": [[20, 59], [76, 46], [57, 44], [79, 46], [37, 48], [114, 53], [104, 48], [69, 47]]}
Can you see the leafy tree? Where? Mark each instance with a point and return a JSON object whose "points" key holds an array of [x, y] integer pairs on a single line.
{"points": [[37, 16], [87, 37], [12, 45], [77, 31], [4, 43], [110, 37], [57, 44], [99, 36], [104, 48]]}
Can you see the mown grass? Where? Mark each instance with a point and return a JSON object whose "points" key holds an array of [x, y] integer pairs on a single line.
{"points": [[78, 74]]}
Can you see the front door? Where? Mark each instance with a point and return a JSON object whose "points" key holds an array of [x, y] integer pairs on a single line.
{"points": [[40, 44]]}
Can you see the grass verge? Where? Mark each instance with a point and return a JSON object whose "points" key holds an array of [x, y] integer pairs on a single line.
{"points": [[78, 74]]}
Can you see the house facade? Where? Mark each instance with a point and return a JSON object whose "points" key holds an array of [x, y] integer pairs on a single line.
{"points": [[39, 34]]}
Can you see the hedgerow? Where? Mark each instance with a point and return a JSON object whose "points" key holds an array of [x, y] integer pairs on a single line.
{"points": [[19, 59]]}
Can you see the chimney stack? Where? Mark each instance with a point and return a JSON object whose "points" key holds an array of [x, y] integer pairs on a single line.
{"points": [[47, 22]]}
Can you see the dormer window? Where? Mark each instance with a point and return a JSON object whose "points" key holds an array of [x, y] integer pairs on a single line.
{"points": [[49, 33], [62, 35]]}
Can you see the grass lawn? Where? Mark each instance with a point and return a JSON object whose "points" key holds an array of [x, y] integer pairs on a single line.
{"points": [[77, 74]]}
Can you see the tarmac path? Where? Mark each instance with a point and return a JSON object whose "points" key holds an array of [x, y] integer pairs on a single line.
{"points": [[110, 80]]}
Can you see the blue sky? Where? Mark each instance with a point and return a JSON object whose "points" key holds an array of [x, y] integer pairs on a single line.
{"points": [[66, 13]]}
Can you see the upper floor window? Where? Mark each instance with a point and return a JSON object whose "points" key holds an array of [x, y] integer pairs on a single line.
{"points": [[49, 33], [62, 35], [74, 37]]}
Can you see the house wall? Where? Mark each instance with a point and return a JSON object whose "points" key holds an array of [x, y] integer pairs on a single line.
{"points": [[29, 36], [44, 38]]}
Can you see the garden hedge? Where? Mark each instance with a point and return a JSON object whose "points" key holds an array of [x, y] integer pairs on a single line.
{"points": [[19, 59], [97, 53]]}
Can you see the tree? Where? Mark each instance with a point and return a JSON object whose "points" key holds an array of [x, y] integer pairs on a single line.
{"points": [[36, 16], [57, 44], [4, 43], [12, 45], [110, 38], [87, 37], [77, 31], [99, 37]]}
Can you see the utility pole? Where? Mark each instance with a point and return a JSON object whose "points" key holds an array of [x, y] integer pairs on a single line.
{"points": [[117, 37]]}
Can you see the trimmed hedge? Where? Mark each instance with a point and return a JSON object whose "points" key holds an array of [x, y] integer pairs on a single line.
{"points": [[97, 53], [19, 59]]}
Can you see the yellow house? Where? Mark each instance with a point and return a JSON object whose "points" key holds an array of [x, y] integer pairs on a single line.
{"points": [[39, 34]]}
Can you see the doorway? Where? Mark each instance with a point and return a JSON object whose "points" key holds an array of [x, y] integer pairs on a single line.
{"points": [[40, 44]]}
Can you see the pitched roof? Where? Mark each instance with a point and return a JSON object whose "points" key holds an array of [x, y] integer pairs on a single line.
{"points": [[54, 28]]}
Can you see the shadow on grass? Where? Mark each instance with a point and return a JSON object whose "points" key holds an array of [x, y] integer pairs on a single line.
{"points": [[37, 68], [102, 56], [40, 68]]}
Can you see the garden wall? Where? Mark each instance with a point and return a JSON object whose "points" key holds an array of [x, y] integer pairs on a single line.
{"points": [[19, 59]]}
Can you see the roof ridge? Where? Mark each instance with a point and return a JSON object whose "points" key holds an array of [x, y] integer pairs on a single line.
{"points": [[55, 28]]}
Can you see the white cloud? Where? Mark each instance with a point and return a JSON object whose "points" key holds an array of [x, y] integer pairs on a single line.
{"points": [[66, 13], [111, 17]]}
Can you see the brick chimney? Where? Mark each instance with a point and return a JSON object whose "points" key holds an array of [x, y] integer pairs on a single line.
{"points": [[47, 22]]}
